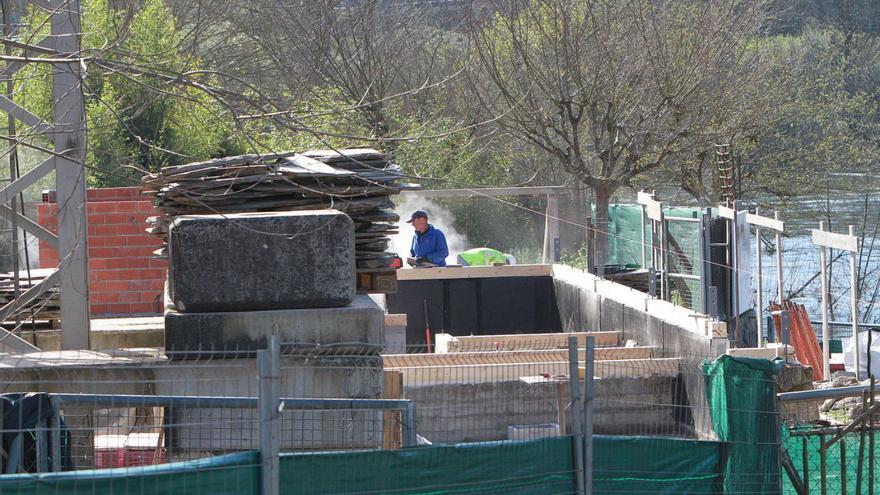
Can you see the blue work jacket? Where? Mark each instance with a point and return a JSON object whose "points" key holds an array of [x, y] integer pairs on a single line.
{"points": [[431, 246]]}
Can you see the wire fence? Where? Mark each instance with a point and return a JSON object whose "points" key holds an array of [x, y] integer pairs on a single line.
{"points": [[539, 414]]}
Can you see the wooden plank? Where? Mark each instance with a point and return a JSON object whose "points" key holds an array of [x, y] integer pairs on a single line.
{"points": [[392, 361], [392, 420], [725, 212], [528, 341], [467, 272], [766, 222], [395, 320], [635, 368], [835, 241], [645, 198], [654, 210], [487, 192]]}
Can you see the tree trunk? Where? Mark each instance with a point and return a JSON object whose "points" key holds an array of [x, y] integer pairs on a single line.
{"points": [[603, 199]]}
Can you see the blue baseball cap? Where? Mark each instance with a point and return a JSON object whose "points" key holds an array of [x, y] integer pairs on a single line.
{"points": [[417, 214]]}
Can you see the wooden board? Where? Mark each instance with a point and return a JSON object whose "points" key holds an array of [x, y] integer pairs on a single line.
{"points": [[393, 361], [831, 240], [391, 420], [766, 222], [465, 272], [488, 192], [527, 341]]}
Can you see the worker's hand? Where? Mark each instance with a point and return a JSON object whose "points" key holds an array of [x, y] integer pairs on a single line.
{"points": [[412, 261]]}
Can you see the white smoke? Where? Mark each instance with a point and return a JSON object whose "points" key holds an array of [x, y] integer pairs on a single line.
{"points": [[438, 216]]}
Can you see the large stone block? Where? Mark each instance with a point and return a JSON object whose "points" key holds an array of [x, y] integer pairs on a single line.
{"points": [[261, 261], [354, 329]]}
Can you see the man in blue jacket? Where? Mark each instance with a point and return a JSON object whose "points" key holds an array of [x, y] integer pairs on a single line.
{"points": [[428, 244]]}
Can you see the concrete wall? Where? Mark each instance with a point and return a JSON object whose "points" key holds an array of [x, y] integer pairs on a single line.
{"points": [[589, 304], [462, 412]]}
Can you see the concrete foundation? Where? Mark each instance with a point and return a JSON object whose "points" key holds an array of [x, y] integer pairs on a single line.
{"points": [[353, 329], [202, 429]]}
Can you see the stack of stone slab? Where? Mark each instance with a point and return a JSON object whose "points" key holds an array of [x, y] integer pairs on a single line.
{"points": [[237, 279]]}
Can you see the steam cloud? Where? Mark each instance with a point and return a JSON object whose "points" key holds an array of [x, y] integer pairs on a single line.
{"points": [[438, 216]]}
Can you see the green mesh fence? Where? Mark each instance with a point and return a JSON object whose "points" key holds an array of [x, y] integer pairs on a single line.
{"points": [[540, 467], [232, 474], [657, 465], [837, 473], [741, 393]]}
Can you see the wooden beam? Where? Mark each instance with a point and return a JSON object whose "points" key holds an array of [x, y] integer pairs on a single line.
{"points": [[391, 420], [395, 320], [635, 368], [655, 211], [465, 272], [529, 341], [766, 222], [393, 361], [645, 198], [487, 192], [725, 212], [835, 241]]}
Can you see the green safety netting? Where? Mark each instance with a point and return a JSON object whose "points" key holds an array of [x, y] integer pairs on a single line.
{"points": [[625, 246], [741, 393], [231, 474], [541, 467], [795, 439], [657, 465]]}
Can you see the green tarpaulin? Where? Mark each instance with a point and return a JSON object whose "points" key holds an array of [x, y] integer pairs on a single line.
{"points": [[741, 393], [539, 467], [232, 474], [657, 465]]}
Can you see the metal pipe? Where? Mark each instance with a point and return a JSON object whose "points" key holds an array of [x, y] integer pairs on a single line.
{"points": [[268, 364], [574, 391], [686, 276], [823, 393], [778, 239], [759, 294], [842, 466], [823, 465], [214, 402], [806, 463], [854, 291], [682, 219], [56, 438], [589, 362], [409, 426], [826, 331]]}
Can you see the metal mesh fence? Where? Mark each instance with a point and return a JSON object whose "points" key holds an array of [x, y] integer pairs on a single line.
{"points": [[472, 419]]}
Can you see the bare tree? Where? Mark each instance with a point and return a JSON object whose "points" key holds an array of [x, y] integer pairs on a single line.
{"points": [[611, 90]]}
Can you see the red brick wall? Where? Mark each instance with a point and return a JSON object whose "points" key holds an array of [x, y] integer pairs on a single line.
{"points": [[124, 279]]}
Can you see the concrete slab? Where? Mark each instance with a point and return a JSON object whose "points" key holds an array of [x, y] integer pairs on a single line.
{"points": [[354, 329], [261, 261], [108, 334]]}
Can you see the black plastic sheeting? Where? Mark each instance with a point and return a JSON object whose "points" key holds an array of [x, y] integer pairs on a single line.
{"points": [[477, 306]]}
